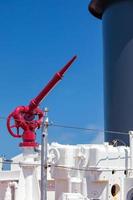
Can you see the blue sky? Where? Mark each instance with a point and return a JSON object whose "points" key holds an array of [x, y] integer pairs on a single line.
{"points": [[36, 39]]}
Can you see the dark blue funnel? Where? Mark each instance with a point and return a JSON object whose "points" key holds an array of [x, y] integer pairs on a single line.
{"points": [[117, 18]]}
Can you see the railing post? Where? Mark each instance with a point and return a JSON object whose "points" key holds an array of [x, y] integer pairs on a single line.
{"points": [[131, 151]]}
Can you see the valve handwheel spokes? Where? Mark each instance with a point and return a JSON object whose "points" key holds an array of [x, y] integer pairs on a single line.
{"points": [[11, 127]]}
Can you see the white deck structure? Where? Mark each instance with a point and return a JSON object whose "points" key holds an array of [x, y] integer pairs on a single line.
{"points": [[77, 172]]}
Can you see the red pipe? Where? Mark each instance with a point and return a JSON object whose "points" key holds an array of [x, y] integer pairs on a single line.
{"points": [[56, 78]]}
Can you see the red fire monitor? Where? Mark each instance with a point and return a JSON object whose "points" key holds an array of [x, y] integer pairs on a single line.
{"points": [[26, 119]]}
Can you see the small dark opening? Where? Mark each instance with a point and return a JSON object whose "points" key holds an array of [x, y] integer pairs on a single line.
{"points": [[113, 171], [115, 189]]}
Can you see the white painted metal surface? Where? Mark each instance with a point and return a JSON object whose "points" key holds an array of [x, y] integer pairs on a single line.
{"points": [[86, 172]]}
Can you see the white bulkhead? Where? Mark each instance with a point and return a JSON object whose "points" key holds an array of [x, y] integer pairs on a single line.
{"points": [[86, 172]]}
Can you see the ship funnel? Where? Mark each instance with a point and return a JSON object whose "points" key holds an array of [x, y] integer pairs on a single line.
{"points": [[117, 18]]}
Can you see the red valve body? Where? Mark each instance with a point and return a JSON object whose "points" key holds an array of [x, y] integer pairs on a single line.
{"points": [[24, 120], [24, 116]]}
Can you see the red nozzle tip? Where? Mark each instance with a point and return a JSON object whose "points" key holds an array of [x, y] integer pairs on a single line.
{"points": [[65, 68], [74, 57]]}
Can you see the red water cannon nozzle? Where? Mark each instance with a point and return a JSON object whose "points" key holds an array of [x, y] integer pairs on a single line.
{"points": [[24, 120]]}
